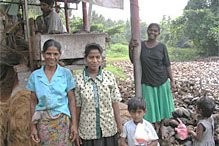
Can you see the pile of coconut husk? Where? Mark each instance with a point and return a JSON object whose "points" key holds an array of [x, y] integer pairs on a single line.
{"points": [[3, 122], [19, 120], [193, 80]]}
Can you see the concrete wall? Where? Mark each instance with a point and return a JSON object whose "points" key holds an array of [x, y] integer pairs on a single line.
{"points": [[73, 45]]}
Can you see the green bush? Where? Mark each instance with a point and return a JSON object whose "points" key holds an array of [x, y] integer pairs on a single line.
{"points": [[119, 52], [119, 48], [118, 72], [182, 54], [116, 52]]}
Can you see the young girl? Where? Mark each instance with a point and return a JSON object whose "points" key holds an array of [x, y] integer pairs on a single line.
{"points": [[204, 135]]}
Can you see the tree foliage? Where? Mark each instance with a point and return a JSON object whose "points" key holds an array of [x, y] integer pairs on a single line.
{"points": [[198, 27], [202, 23]]}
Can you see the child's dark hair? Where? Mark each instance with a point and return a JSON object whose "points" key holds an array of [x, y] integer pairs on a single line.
{"points": [[206, 105], [154, 24], [51, 43], [136, 103], [92, 46]]}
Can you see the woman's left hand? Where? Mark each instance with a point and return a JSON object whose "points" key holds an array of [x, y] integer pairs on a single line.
{"points": [[172, 85], [74, 133], [120, 129]]}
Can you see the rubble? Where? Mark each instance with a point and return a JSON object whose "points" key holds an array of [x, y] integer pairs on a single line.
{"points": [[193, 79]]}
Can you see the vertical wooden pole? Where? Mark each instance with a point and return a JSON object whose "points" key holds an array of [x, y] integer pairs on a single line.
{"points": [[89, 16], [135, 29], [66, 15], [85, 18], [28, 36]]}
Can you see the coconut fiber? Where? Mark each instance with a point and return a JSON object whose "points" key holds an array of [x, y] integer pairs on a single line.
{"points": [[19, 126], [3, 122]]}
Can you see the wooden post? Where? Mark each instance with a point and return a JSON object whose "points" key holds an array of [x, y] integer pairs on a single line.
{"points": [[66, 15], [135, 27], [28, 36], [85, 18], [89, 16]]}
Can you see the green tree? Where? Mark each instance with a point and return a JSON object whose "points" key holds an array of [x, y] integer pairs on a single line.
{"points": [[76, 24], [177, 36], [200, 26], [165, 29], [143, 29], [127, 31]]}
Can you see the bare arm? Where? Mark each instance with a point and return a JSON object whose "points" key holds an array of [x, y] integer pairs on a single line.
{"points": [[117, 116], [199, 133], [123, 141], [72, 106], [170, 75], [78, 110], [33, 103], [78, 114], [132, 44], [130, 53], [153, 143]]}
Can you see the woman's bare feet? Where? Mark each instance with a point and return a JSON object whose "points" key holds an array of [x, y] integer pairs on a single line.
{"points": [[163, 132], [157, 127]]}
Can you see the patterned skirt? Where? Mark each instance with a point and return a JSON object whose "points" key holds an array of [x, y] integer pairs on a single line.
{"points": [[159, 102], [55, 132]]}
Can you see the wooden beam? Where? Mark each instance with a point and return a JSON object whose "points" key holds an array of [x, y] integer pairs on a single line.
{"points": [[135, 27], [28, 36]]}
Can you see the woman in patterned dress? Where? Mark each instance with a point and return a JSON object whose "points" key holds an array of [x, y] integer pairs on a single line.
{"points": [[97, 97]]}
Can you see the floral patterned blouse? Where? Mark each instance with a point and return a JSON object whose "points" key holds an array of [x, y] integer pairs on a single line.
{"points": [[95, 96]]}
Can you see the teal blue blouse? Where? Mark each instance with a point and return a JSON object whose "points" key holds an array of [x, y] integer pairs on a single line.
{"points": [[52, 96]]}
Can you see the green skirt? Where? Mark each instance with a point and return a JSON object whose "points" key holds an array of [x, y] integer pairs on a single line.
{"points": [[159, 102]]}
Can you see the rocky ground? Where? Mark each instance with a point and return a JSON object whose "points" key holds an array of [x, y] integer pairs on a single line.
{"points": [[193, 79]]}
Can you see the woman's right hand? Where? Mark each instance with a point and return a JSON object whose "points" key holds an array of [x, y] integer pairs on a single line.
{"points": [[34, 134], [133, 43]]}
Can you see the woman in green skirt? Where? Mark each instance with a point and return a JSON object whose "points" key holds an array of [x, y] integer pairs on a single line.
{"points": [[157, 80]]}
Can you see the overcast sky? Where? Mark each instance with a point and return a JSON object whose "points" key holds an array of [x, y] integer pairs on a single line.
{"points": [[149, 10]]}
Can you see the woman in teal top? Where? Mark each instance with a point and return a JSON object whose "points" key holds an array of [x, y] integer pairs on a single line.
{"points": [[53, 108]]}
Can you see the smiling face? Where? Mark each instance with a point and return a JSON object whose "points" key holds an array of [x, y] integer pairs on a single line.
{"points": [[51, 56], [137, 115], [93, 60], [153, 32]]}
